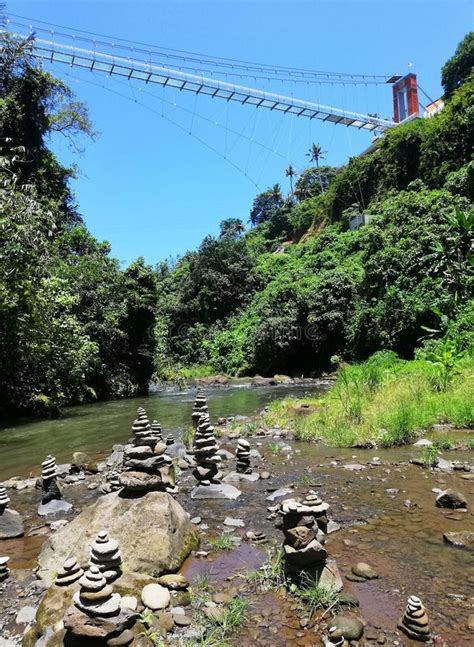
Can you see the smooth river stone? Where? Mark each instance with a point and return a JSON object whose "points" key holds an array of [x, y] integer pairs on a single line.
{"points": [[54, 507], [155, 597]]}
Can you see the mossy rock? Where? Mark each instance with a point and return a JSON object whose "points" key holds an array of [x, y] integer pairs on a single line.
{"points": [[53, 606]]}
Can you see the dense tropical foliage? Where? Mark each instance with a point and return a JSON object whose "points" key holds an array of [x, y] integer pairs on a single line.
{"points": [[309, 287], [73, 326]]}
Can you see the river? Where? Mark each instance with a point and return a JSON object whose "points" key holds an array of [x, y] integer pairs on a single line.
{"points": [[94, 428]]}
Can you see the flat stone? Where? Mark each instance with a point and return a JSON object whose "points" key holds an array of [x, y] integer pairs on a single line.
{"points": [[181, 620], [283, 491], [25, 615], [330, 577], [215, 491], [423, 442], [235, 477], [129, 602], [124, 639], [85, 626], [313, 553], [234, 523], [155, 597], [354, 467], [11, 524], [54, 507], [362, 569]]}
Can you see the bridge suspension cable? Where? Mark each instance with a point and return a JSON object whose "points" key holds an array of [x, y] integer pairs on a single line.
{"points": [[231, 66], [135, 69]]}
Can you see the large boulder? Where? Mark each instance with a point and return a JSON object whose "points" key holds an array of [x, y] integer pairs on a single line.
{"points": [[153, 531]]}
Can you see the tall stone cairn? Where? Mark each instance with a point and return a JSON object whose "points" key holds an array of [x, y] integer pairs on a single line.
{"points": [[414, 622], [49, 475], [4, 570], [242, 454], [156, 431], [205, 449], [200, 407], [304, 524], [105, 554]]}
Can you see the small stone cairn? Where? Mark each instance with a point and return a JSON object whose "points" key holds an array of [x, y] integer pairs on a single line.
{"points": [[169, 440], [335, 639], [304, 524], [4, 499], [69, 573], [200, 407], [105, 554], [4, 570], [51, 495], [242, 454], [415, 621], [156, 431], [205, 450], [147, 467], [96, 613]]}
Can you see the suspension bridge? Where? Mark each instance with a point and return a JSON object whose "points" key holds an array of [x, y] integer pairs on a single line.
{"points": [[101, 57]]}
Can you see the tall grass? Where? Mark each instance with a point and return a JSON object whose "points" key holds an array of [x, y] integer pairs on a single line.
{"points": [[384, 401]]}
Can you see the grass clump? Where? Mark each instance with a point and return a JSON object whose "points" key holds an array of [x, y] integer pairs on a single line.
{"points": [[385, 401], [430, 455], [314, 595], [226, 541], [270, 575]]}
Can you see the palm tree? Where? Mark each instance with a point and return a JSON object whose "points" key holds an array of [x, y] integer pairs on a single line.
{"points": [[290, 172], [315, 154]]}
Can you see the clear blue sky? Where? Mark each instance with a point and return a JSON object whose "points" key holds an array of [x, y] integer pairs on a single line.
{"points": [[150, 188]]}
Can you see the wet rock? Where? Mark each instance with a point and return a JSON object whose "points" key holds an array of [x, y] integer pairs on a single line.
{"points": [[263, 381], [451, 499], [154, 533], [354, 467], [423, 442], [461, 539], [349, 625], [364, 570], [155, 597]]}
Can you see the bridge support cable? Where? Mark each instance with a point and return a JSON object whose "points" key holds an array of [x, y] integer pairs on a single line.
{"points": [[134, 69]]}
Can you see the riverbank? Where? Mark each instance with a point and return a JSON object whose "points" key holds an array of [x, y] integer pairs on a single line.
{"points": [[377, 503], [382, 402]]}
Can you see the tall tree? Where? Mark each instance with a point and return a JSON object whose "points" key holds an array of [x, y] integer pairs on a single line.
{"points": [[315, 154], [290, 172], [459, 67]]}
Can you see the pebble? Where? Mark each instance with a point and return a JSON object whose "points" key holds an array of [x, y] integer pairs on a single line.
{"points": [[196, 521], [365, 571], [26, 615]]}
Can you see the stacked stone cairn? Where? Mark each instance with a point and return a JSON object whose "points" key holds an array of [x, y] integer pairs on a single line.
{"points": [[105, 554], [242, 454], [304, 524], [51, 495], [11, 523], [205, 450], [96, 614], [4, 570], [169, 440], [69, 573], [415, 620], [113, 479], [147, 467], [200, 407], [335, 638], [156, 431]]}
